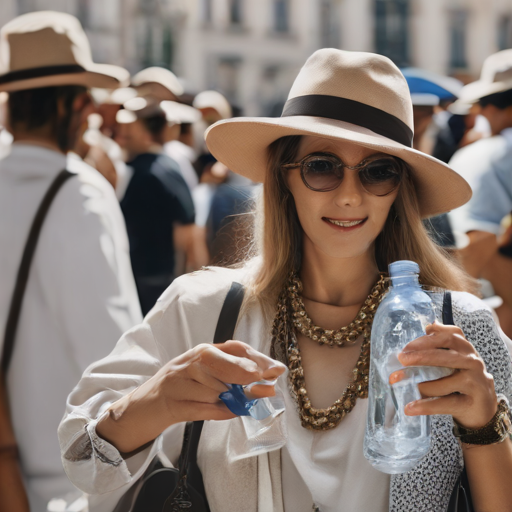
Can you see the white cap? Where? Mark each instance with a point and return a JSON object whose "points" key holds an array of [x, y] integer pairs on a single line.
{"points": [[424, 100], [215, 100], [178, 113], [113, 97]]}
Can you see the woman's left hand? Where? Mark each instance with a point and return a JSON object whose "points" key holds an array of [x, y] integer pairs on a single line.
{"points": [[468, 394]]}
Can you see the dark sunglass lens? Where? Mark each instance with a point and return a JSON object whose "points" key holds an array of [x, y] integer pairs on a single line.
{"points": [[322, 173], [380, 177]]}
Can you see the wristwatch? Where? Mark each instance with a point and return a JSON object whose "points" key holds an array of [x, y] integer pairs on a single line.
{"points": [[496, 431]]}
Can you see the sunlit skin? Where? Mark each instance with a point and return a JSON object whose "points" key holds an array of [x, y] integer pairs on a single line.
{"points": [[134, 138]]}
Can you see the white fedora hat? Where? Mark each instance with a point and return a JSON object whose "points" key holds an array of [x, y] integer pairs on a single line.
{"points": [[47, 48], [353, 96], [157, 82], [496, 76]]}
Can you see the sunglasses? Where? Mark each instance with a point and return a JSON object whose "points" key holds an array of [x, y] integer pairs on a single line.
{"points": [[323, 172]]}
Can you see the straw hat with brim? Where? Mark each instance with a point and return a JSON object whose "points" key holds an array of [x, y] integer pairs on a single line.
{"points": [[496, 76], [157, 82], [358, 97], [47, 48]]}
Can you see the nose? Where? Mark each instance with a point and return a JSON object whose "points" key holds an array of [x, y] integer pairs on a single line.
{"points": [[350, 192]]}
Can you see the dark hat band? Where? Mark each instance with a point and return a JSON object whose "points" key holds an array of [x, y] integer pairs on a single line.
{"points": [[27, 74], [350, 111]]}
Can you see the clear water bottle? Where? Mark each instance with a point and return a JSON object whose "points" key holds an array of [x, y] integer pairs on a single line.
{"points": [[394, 442], [262, 420]]}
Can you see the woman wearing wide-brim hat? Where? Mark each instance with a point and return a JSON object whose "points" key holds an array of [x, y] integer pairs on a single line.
{"points": [[344, 195]]}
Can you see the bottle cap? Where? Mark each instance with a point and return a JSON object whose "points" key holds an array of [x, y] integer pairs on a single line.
{"points": [[403, 267]]}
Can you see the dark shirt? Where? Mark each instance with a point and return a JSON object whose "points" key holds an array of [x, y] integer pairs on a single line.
{"points": [[156, 197]]}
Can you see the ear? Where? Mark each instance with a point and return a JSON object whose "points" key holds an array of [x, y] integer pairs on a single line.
{"points": [[83, 101]]}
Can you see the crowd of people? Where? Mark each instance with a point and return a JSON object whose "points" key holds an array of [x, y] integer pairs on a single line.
{"points": [[139, 199]]}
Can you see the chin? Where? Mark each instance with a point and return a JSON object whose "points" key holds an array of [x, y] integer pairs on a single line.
{"points": [[345, 250]]}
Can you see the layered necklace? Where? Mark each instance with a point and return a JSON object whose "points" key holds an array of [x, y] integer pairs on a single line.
{"points": [[291, 314]]}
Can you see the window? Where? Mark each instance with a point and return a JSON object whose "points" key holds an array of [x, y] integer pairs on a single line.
{"points": [[235, 12], [227, 77], [207, 11], [281, 14], [505, 32], [83, 12], [392, 30], [25, 6], [458, 29], [329, 26]]}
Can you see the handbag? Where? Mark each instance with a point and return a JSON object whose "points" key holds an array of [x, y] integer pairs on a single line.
{"points": [[162, 489], [460, 500], [13, 496]]}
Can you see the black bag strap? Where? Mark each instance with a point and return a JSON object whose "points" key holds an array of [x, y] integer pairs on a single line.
{"points": [[13, 317], [188, 466], [460, 500]]}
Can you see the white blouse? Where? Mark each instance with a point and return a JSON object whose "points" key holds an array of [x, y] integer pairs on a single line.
{"points": [[331, 463]]}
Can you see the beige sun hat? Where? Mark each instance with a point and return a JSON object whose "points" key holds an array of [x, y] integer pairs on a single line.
{"points": [[496, 76], [158, 83], [48, 48], [352, 96]]}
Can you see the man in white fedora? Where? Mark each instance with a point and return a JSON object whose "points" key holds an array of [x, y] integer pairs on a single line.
{"points": [[80, 295], [487, 166]]}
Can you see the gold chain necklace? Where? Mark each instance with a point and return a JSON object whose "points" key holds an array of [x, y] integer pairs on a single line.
{"points": [[285, 348], [345, 335]]}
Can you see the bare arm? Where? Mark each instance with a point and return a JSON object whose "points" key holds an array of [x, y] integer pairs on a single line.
{"points": [[12, 490], [191, 239]]}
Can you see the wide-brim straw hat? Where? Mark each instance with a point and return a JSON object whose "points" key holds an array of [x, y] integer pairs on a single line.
{"points": [[496, 76], [48, 48], [358, 97]]}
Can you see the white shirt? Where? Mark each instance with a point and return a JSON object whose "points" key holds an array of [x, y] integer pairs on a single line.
{"points": [[331, 464], [487, 166], [183, 155], [79, 299]]}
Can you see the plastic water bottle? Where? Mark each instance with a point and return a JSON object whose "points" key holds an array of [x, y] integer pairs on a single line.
{"points": [[394, 442], [262, 419]]}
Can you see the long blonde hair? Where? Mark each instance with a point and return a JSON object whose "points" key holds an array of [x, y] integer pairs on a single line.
{"points": [[278, 234]]}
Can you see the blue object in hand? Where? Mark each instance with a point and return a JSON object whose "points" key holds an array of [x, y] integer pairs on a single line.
{"points": [[236, 401]]}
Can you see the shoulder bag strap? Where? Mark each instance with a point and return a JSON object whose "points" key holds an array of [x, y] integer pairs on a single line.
{"points": [[189, 469], [460, 500], [11, 325]]}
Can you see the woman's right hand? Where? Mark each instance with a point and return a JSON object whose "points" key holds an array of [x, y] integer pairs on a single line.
{"points": [[187, 388]]}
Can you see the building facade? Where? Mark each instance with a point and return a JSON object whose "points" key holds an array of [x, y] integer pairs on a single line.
{"points": [[252, 49]]}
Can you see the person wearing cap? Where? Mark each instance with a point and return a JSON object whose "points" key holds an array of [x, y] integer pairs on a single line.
{"points": [[487, 166], [344, 194], [157, 205], [175, 145], [80, 294]]}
